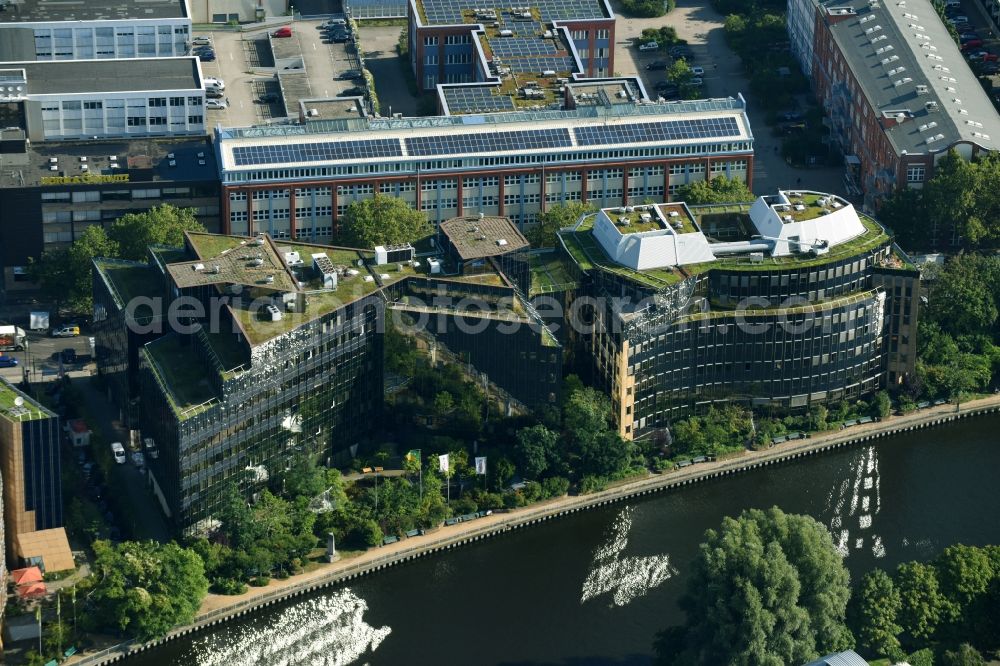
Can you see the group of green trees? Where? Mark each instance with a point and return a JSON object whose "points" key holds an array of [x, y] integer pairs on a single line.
{"points": [[766, 588], [382, 220], [771, 588], [948, 608], [719, 190], [647, 8], [65, 274], [958, 338], [960, 204]]}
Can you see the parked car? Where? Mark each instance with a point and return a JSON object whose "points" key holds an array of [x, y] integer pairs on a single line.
{"points": [[201, 41], [990, 57], [138, 459], [356, 91], [696, 81], [333, 22], [965, 27], [206, 57], [67, 331], [340, 38], [68, 356], [351, 75], [214, 83], [8, 362], [649, 46], [681, 52], [698, 71], [967, 37], [214, 93], [217, 103], [285, 31], [976, 56], [791, 115], [990, 68], [118, 451], [959, 18], [972, 44], [657, 64]]}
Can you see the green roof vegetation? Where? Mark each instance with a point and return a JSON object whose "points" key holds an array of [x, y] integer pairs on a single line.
{"points": [[683, 217], [229, 350], [131, 279], [549, 273], [183, 381], [28, 411], [812, 207], [212, 245], [632, 223], [169, 255], [807, 309], [589, 254]]}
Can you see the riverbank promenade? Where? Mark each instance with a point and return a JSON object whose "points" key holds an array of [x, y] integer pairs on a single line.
{"points": [[219, 608]]}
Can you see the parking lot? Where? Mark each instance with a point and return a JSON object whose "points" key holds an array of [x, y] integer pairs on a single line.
{"points": [[245, 62]]}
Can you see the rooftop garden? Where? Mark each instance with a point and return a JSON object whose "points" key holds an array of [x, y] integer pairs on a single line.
{"points": [[231, 352], [212, 245], [682, 216], [808, 207], [187, 388], [549, 273], [589, 254], [635, 222], [8, 396], [132, 280]]}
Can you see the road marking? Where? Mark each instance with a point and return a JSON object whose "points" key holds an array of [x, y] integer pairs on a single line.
{"points": [[230, 55]]}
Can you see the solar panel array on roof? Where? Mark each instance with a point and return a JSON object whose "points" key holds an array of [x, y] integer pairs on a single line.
{"points": [[479, 98], [516, 47], [449, 12], [538, 65], [488, 142], [316, 152], [668, 130]]}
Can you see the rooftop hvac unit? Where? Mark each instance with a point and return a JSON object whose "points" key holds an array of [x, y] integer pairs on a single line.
{"points": [[172, 163], [113, 158], [84, 167], [435, 266], [256, 263], [53, 160], [198, 267], [328, 272], [54, 167], [272, 313], [293, 259], [501, 242], [757, 257], [83, 159]]}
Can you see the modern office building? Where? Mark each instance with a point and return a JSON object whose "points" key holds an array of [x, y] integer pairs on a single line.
{"points": [[51, 191], [94, 29], [54, 101], [794, 300], [897, 89], [297, 182], [29, 465], [285, 356], [455, 42]]}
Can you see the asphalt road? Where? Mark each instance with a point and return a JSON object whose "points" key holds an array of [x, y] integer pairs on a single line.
{"points": [[38, 358]]}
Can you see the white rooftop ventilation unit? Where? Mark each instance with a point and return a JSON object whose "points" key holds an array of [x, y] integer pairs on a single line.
{"points": [[326, 269]]}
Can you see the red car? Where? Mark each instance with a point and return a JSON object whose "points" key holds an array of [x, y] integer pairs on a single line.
{"points": [[971, 44], [287, 32]]}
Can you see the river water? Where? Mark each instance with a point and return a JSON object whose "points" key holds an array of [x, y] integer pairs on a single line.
{"points": [[595, 587]]}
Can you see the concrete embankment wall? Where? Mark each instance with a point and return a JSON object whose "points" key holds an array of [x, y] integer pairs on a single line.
{"points": [[500, 523]]}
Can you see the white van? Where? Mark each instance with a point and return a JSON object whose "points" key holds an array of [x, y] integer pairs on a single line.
{"points": [[211, 82], [118, 451], [649, 46]]}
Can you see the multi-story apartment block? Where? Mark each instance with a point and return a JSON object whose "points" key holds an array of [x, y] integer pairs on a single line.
{"points": [[455, 42], [32, 485], [292, 184], [95, 29], [897, 90], [794, 300], [50, 192], [56, 101]]}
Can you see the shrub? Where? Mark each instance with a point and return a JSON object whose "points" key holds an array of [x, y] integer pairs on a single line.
{"points": [[663, 465], [592, 484], [513, 499], [228, 586], [532, 492], [555, 486], [260, 581], [923, 657], [647, 8], [490, 500], [464, 505]]}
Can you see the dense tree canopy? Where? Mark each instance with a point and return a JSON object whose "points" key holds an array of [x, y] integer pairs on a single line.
{"points": [[144, 588], [383, 220], [960, 203], [876, 606], [163, 225], [554, 218], [719, 190], [768, 588]]}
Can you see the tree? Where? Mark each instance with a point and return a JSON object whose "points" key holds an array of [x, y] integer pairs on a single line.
{"points": [[963, 298], [534, 447], [965, 655], [874, 611], [503, 472], [383, 220], [554, 218], [679, 72], [921, 599], [443, 403], [606, 454], [66, 274], [586, 415], [303, 477], [145, 588], [161, 225], [881, 404], [767, 588], [719, 190], [964, 574]]}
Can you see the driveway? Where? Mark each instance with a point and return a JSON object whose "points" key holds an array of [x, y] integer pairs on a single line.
{"points": [[391, 83], [703, 29]]}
